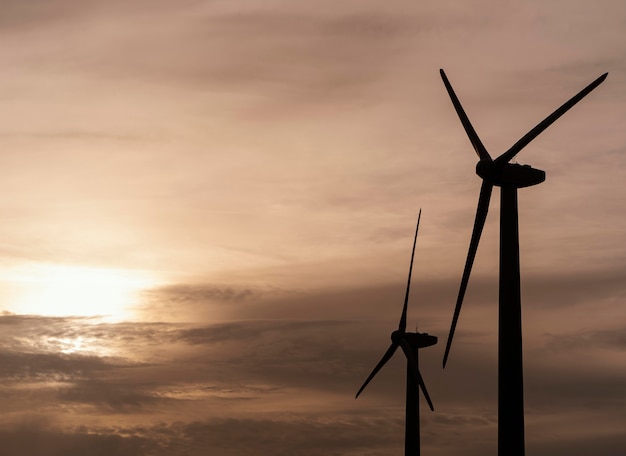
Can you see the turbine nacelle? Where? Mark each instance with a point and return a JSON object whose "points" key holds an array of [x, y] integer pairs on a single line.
{"points": [[416, 339], [421, 340], [509, 174]]}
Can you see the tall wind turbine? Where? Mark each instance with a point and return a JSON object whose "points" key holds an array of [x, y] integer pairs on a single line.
{"points": [[509, 177], [410, 344]]}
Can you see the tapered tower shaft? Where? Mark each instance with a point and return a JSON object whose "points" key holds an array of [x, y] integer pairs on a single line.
{"points": [[510, 377], [412, 417], [412, 412]]}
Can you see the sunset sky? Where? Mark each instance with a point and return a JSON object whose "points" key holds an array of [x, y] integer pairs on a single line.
{"points": [[208, 208]]}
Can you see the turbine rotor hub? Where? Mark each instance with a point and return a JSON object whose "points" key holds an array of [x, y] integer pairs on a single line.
{"points": [[485, 169], [397, 336]]}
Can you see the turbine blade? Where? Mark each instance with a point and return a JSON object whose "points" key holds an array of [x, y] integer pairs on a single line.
{"points": [[386, 357], [408, 351], [532, 134], [402, 325], [479, 223], [469, 129], [425, 391]]}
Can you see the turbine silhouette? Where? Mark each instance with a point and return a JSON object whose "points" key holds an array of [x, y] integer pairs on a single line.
{"points": [[509, 177], [410, 344]]}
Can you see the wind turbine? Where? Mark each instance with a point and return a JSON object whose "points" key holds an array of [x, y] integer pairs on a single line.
{"points": [[410, 344], [509, 177]]}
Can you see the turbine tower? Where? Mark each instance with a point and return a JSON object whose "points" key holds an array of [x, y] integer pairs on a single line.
{"points": [[509, 177], [410, 344]]}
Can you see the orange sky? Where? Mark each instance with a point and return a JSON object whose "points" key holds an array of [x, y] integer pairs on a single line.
{"points": [[208, 210]]}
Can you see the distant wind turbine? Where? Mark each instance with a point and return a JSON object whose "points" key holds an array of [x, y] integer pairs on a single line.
{"points": [[509, 177], [410, 344]]}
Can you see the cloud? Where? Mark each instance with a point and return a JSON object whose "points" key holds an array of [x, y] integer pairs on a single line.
{"points": [[40, 439], [23, 366], [19, 14], [608, 443], [111, 395], [287, 52], [608, 339], [560, 290], [206, 382], [295, 434], [184, 293], [309, 436]]}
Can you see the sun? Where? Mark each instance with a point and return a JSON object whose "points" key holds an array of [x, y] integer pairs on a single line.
{"points": [[61, 290]]}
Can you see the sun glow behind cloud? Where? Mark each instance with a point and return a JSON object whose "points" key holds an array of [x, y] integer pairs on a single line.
{"points": [[61, 290]]}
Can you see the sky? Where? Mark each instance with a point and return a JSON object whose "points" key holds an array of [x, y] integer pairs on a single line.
{"points": [[208, 209]]}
